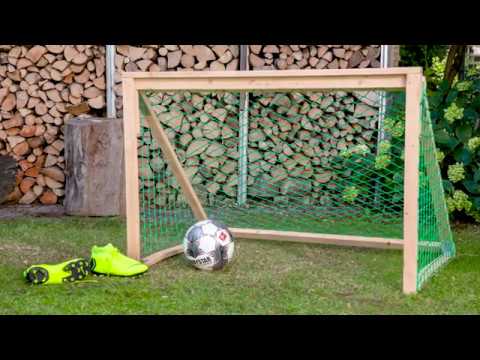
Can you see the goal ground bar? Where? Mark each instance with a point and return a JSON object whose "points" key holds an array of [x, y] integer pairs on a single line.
{"points": [[328, 239], [162, 255], [291, 236]]}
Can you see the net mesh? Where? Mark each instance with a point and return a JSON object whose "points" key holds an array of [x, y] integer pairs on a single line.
{"points": [[435, 241], [322, 162]]}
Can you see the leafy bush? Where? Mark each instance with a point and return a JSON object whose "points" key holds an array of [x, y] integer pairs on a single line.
{"points": [[421, 55], [456, 121], [432, 58]]}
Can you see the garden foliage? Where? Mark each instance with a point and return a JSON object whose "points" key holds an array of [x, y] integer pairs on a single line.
{"points": [[456, 121], [455, 115]]}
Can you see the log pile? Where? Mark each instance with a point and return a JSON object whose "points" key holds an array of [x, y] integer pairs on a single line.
{"points": [[204, 130], [295, 141], [173, 58], [44, 86], [284, 156], [292, 140], [283, 57], [41, 88], [8, 169]]}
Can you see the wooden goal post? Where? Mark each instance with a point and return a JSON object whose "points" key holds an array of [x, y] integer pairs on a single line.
{"points": [[408, 79]]}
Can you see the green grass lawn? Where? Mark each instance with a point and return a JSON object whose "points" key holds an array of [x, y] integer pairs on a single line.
{"points": [[265, 278]]}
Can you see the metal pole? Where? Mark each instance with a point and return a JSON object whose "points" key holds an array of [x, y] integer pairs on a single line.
{"points": [[385, 56], [382, 96], [384, 62], [243, 134], [110, 74]]}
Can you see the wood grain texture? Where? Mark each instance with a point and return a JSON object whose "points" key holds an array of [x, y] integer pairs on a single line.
{"points": [[94, 167], [313, 238], [163, 255], [273, 74], [8, 168], [312, 80], [412, 162], [131, 122]]}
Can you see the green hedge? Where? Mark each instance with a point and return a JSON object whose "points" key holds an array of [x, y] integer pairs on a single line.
{"points": [[456, 121]]}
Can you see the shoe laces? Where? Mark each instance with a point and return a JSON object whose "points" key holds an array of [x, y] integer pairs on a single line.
{"points": [[117, 252], [112, 248]]}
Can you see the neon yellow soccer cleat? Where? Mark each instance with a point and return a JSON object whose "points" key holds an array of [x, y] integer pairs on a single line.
{"points": [[67, 272], [108, 260]]}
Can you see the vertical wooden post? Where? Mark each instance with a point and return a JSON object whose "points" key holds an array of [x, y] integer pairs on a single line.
{"points": [[131, 121], [411, 181]]}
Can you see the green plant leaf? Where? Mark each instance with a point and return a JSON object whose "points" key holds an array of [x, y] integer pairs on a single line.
{"points": [[475, 104], [462, 155], [473, 187], [476, 84], [442, 88], [435, 101], [448, 186], [452, 96], [464, 132], [476, 202], [442, 137], [470, 114], [446, 140], [476, 175]]}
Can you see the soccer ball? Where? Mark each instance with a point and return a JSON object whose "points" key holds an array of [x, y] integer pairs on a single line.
{"points": [[208, 245]]}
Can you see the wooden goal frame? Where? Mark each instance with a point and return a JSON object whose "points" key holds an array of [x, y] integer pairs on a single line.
{"points": [[408, 79]]}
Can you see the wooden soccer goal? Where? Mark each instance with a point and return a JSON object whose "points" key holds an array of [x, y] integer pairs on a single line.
{"points": [[341, 166]]}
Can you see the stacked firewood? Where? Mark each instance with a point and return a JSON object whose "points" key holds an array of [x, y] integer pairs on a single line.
{"points": [[295, 140], [44, 86], [173, 58], [292, 139], [41, 88], [283, 57], [204, 130]]}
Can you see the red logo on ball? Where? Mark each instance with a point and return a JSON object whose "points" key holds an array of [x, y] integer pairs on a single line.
{"points": [[222, 236]]}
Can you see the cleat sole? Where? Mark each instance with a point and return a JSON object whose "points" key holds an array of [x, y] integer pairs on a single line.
{"points": [[78, 270], [37, 275]]}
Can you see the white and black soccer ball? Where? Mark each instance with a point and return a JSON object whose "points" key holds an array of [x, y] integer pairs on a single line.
{"points": [[208, 245]]}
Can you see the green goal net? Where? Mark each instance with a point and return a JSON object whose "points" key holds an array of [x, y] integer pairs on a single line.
{"points": [[435, 241], [314, 162]]}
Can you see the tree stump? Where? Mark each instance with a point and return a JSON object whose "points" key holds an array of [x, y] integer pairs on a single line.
{"points": [[94, 167], [8, 169]]}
